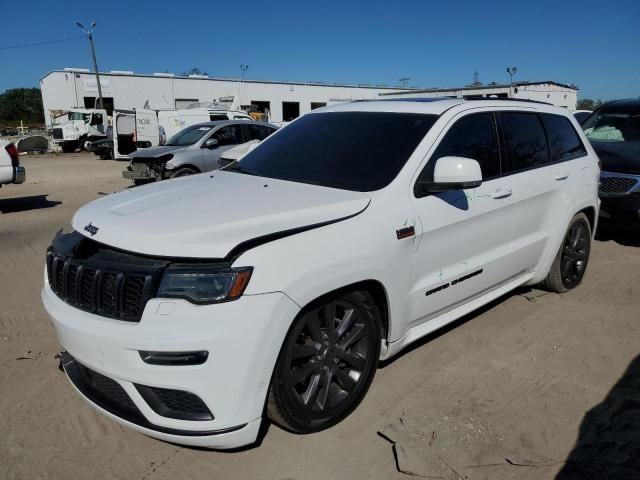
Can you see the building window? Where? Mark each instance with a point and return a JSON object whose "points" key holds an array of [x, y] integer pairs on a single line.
{"points": [[185, 102], [261, 106], [315, 105], [290, 111]]}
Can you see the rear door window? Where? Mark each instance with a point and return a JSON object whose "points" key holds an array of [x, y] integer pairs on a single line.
{"points": [[526, 141], [473, 136], [257, 132], [564, 142]]}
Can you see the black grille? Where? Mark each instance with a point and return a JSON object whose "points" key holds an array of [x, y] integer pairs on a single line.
{"points": [[57, 133], [104, 291], [175, 403], [616, 184]]}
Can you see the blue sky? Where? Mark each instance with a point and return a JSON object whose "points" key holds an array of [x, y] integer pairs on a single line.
{"points": [[594, 44]]}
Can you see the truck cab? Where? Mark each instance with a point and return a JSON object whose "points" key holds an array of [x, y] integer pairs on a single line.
{"points": [[79, 128]]}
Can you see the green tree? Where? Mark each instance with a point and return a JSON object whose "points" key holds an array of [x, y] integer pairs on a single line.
{"points": [[21, 104], [589, 104], [193, 71]]}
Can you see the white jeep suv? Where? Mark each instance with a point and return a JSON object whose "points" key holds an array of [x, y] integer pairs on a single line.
{"points": [[189, 308]]}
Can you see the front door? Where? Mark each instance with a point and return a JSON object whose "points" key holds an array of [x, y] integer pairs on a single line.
{"points": [[464, 236], [228, 137]]}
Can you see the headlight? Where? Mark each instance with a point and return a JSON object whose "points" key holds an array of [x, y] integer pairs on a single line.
{"points": [[204, 285]]}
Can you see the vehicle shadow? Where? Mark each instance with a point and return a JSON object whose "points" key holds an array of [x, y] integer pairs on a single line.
{"points": [[608, 444], [22, 204], [623, 234]]}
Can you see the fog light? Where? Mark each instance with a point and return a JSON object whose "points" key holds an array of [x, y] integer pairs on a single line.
{"points": [[174, 358]]}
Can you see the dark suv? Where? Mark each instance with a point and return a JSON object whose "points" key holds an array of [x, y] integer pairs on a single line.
{"points": [[614, 132]]}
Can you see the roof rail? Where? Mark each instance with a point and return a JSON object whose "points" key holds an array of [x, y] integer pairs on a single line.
{"points": [[526, 100]]}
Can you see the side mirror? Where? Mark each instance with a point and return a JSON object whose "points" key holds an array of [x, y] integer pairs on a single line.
{"points": [[211, 143], [451, 173]]}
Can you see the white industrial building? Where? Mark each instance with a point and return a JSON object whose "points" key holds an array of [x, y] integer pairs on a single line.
{"points": [[558, 94], [70, 88], [74, 87]]}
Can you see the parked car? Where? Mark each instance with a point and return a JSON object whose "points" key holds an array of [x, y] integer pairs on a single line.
{"points": [[614, 132], [195, 149], [188, 308], [10, 169], [582, 115]]}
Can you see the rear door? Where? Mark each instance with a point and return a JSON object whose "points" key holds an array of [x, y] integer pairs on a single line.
{"points": [[228, 136], [147, 129], [464, 236], [542, 164], [124, 124]]}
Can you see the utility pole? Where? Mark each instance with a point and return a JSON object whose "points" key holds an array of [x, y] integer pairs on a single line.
{"points": [[511, 71], [243, 67], [89, 33]]}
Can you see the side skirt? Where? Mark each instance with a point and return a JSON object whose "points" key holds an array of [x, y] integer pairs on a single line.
{"points": [[390, 349]]}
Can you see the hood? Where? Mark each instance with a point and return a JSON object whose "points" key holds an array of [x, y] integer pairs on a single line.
{"points": [[155, 152], [207, 215], [619, 157]]}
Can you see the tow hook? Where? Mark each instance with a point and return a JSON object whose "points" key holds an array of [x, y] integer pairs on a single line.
{"points": [[58, 356]]}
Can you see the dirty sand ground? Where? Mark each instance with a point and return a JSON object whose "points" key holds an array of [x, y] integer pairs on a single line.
{"points": [[503, 394]]}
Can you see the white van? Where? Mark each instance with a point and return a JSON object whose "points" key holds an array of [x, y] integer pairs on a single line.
{"points": [[141, 128]]}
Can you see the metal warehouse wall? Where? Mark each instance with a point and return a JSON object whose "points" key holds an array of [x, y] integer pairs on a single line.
{"points": [[62, 90], [561, 96]]}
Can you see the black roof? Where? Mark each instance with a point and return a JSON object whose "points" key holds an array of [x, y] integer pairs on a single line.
{"points": [[623, 105]]}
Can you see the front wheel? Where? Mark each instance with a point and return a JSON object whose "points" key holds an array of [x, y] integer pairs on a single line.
{"points": [[571, 260], [326, 364], [69, 147], [183, 172]]}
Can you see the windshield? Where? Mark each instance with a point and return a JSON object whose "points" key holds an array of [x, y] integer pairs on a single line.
{"points": [[188, 136], [613, 126], [79, 116], [361, 151]]}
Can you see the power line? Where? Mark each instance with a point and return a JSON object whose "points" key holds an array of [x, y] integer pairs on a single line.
{"points": [[49, 42]]}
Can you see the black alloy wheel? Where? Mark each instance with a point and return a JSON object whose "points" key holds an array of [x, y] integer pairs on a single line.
{"points": [[571, 261], [327, 363], [575, 253]]}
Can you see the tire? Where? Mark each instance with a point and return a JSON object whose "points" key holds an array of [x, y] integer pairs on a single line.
{"points": [[572, 258], [183, 172], [141, 181], [69, 147], [85, 145], [326, 367]]}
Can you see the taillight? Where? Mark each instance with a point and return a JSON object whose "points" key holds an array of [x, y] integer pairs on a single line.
{"points": [[13, 153]]}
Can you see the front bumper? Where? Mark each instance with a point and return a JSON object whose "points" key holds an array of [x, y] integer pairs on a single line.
{"points": [[140, 171], [20, 174], [620, 195], [243, 339]]}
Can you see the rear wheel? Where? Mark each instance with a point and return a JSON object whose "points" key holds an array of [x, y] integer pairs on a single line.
{"points": [[183, 172], [326, 364], [571, 260]]}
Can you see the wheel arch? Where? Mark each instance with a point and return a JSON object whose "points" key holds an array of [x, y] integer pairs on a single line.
{"points": [[374, 287], [590, 212]]}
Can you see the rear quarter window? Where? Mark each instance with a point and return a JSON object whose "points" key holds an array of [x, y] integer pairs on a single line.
{"points": [[564, 142]]}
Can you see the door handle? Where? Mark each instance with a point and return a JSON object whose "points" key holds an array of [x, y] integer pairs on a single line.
{"points": [[561, 176], [502, 192]]}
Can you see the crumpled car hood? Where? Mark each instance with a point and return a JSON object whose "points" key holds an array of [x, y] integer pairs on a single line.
{"points": [[212, 214]]}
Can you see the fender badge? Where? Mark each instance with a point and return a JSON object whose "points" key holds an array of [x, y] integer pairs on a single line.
{"points": [[404, 232], [92, 229]]}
